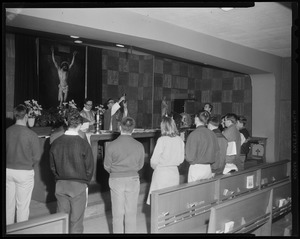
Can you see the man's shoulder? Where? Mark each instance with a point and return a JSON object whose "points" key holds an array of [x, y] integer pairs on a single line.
{"points": [[20, 129], [219, 134]]}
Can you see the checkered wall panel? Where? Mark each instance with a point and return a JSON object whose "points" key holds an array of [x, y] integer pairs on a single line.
{"points": [[147, 79], [133, 75], [227, 91]]}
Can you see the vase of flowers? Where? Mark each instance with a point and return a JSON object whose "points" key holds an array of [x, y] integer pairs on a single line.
{"points": [[31, 122], [34, 110]]}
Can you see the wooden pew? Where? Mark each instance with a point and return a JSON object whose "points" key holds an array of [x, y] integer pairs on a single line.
{"points": [[54, 223], [274, 173], [244, 214], [238, 184], [282, 200], [278, 177], [171, 207], [182, 209]]}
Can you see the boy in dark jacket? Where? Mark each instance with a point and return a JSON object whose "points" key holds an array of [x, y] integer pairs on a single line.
{"points": [[72, 163]]}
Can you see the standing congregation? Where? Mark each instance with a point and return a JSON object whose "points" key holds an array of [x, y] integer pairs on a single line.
{"points": [[204, 149]]}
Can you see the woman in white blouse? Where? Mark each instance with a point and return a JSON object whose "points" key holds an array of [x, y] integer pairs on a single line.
{"points": [[168, 154]]}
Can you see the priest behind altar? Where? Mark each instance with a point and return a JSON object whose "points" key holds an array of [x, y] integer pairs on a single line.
{"points": [[88, 113], [109, 114]]}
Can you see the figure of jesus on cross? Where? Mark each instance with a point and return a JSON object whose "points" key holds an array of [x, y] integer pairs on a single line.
{"points": [[63, 74]]}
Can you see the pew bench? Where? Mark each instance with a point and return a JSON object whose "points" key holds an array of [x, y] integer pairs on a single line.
{"points": [[186, 208], [57, 223], [244, 215]]}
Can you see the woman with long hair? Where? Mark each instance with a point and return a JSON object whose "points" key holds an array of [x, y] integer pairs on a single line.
{"points": [[168, 154]]}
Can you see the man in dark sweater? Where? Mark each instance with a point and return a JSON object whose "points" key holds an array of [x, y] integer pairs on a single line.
{"points": [[124, 157], [245, 145], [202, 149], [218, 166], [232, 134], [72, 163], [22, 152]]}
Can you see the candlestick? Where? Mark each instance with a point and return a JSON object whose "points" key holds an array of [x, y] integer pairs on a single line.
{"points": [[98, 123]]}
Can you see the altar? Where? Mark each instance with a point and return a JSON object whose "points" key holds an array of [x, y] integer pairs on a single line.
{"points": [[146, 136]]}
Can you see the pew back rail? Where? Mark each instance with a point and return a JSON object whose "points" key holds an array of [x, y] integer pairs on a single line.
{"points": [[243, 214], [282, 201], [54, 223], [186, 207], [169, 215]]}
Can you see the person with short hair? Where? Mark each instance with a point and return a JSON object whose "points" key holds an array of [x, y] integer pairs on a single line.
{"points": [[87, 112], [202, 149], [208, 107], [168, 154], [245, 144], [222, 126], [72, 163], [123, 159], [233, 135], [121, 113], [109, 114], [218, 166], [22, 153], [186, 118]]}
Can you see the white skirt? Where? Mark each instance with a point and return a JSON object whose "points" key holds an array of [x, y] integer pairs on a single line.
{"points": [[163, 177]]}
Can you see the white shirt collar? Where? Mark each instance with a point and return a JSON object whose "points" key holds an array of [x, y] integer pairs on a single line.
{"points": [[71, 132], [85, 109]]}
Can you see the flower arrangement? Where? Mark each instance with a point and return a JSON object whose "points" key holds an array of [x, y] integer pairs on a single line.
{"points": [[72, 104], [65, 106], [34, 109], [100, 108], [55, 116], [49, 117]]}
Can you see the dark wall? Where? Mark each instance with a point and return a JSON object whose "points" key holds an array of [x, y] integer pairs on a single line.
{"points": [[48, 75], [133, 75], [227, 91]]}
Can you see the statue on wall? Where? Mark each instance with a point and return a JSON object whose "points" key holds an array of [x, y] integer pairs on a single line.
{"points": [[63, 74], [164, 107]]}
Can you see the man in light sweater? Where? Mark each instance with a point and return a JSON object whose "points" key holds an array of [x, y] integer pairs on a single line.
{"points": [[22, 152], [124, 157]]}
